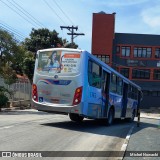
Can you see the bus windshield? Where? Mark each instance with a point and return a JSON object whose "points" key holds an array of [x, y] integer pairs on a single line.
{"points": [[59, 62]]}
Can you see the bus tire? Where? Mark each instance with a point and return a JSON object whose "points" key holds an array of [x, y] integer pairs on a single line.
{"points": [[110, 118], [75, 117]]}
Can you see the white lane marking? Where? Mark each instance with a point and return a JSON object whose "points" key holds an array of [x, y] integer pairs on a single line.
{"points": [[6, 127], [124, 146]]}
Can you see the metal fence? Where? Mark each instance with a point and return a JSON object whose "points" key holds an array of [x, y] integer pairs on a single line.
{"points": [[21, 90]]}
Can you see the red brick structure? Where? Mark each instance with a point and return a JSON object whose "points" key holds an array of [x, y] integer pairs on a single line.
{"points": [[103, 35]]}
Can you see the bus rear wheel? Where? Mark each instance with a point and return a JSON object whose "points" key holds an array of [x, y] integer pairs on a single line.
{"points": [[75, 117], [110, 118]]}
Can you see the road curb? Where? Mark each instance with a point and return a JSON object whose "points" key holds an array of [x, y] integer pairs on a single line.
{"points": [[14, 109]]}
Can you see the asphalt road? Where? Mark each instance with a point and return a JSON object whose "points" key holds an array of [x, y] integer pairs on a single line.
{"points": [[30, 130]]}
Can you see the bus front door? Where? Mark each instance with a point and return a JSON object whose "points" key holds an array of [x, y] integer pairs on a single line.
{"points": [[105, 92], [124, 100]]}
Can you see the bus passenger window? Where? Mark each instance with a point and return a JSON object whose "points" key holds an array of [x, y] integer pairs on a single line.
{"points": [[119, 86], [113, 87], [129, 91], [94, 74]]}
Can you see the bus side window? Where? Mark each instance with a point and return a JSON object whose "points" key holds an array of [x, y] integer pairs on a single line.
{"points": [[135, 93], [132, 92], [94, 74], [90, 72], [119, 85], [129, 92], [113, 84]]}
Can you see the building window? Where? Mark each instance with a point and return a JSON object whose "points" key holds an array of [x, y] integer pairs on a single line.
{"points": [[157, 53], [117, 49], [103, 58], [156, 93], [146, 93], [142, 52], [125, 72], [126, 51], [156, 74], [141, 74]]}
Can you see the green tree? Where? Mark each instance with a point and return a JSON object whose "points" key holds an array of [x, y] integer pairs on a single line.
{"points": [[11, 57], [41, 39], [71, 45], [4, 94], [11, 60], [44, 38], [28, 66]]}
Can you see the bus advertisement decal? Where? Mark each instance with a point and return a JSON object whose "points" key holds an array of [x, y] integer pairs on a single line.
{"points": [[55, 82]]}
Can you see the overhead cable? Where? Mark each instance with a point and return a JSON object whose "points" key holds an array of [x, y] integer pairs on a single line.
{"points": [[63, 12], [54, 12], [29, 15], [18, 13], [13, 30]]}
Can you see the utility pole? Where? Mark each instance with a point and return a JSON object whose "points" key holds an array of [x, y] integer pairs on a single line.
{"points": [[72, 33]]}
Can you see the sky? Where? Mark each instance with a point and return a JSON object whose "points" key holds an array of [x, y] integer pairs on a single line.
{"points": [[132, 16]]}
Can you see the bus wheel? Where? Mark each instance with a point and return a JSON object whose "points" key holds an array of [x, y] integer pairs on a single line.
{"points": [[110, 116], [75, 117]]}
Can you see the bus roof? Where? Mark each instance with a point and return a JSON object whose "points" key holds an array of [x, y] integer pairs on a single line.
{"points": [[59, 49]]}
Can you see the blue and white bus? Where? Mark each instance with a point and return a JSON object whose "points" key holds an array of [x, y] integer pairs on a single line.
{"points": [[74, 82]]}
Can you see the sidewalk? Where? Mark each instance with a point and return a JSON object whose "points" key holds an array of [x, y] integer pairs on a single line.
{"points": [[145, 138], [150, 113]]}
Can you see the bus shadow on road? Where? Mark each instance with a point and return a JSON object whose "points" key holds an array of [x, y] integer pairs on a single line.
{"points": [[93, 126], [117, 129]]}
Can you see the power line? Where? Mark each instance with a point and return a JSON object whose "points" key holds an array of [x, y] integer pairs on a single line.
{"points": [[27, 13], [20, 10], [54, 11], [13, 30], [63, 12], [3, 28], [18, 13]]}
